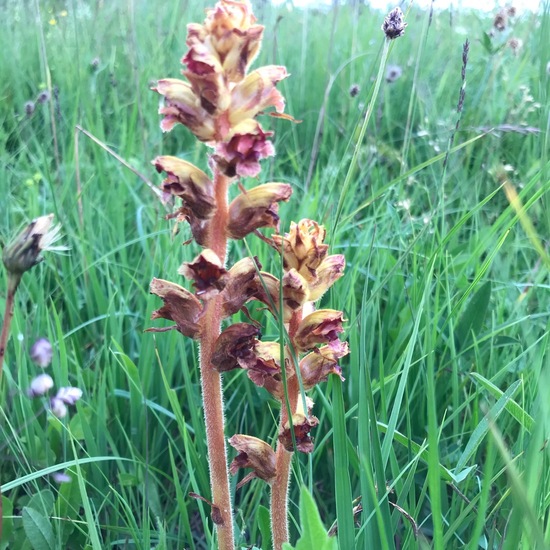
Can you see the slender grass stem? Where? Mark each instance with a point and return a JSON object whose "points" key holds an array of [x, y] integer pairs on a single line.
{"points": [[279, 491], [211, 383]]}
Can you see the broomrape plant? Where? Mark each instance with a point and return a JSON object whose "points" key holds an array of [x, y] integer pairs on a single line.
{"points": [[219, 102]]}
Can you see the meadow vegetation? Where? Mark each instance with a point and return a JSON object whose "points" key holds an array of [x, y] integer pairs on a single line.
{"points": [[438, 436]]}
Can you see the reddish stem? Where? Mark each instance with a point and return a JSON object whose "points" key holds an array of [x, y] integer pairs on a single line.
{"points": [[279, 488], [211, 383], [13, 283]]}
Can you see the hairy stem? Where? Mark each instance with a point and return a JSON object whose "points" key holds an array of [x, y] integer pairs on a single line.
{"points": [[211, 383], [279, 490], [13, 283]]}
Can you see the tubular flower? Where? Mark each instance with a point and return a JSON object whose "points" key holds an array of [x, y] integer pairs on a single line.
{"points": [[181, 105], [328, 272], [186, 181], [240, 155], [256, 208], [207, 272], [256, 93], [241, 285], [320, 327], [180, 306], [317, 365], [253, 453], [264, 367], [301, 425], [234, 346]]}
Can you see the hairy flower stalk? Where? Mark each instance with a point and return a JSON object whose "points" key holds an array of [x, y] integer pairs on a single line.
{"points": [[219, 102], [22, 254]]}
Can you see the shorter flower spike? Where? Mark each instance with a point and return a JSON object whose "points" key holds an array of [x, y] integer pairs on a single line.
{"points": [[192, 185], [180, 306], [253, 453], [208, 273], [24, 252], [320, 327], [234, 346], [256, 208], [301, 425]]}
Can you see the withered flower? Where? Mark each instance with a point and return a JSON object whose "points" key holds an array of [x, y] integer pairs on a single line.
{"points": [[317, 365], [24, 252], [253, 453], [256, 208], [207, 272], [186, 181], [394, 25], [240, 286], [301, 425], [320, 327], [234, 346], [264, 367], [180, 306]]}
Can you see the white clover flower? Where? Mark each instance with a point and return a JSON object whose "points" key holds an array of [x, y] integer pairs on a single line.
{"points": [[40, 385]]}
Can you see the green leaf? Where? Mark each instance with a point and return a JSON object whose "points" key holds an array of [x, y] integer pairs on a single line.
{"points": [[473, 316], [38, 529], [264, 523], [314, 535], [7, 523], [42, 502]]}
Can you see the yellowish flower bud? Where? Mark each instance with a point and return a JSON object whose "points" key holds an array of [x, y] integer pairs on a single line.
{"points": [[256, 208]]}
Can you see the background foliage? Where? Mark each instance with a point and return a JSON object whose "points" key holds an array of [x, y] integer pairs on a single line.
{"points": [[443, 419]]}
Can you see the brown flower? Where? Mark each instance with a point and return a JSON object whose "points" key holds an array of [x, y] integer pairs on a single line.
{"points": [[240, 286], [253, 453], [301, 426], [320, 327], [317, 365], [207, 272], [180, 306], [234, 346]]}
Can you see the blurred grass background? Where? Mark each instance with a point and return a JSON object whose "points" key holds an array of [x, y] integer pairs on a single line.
{"points": [[445, 411]]}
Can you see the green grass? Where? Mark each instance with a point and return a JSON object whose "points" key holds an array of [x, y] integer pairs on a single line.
{"points": [[441, 426]]}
